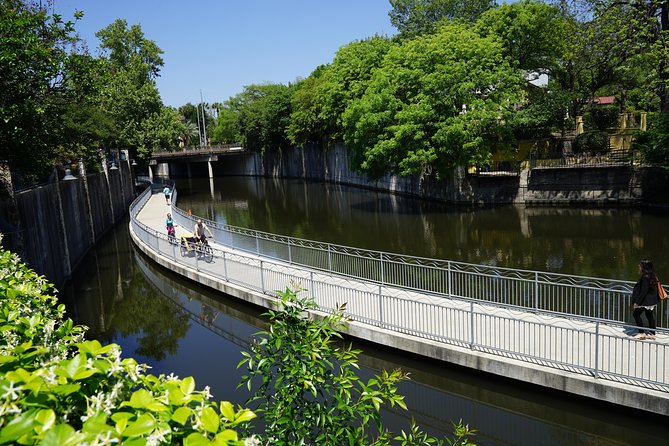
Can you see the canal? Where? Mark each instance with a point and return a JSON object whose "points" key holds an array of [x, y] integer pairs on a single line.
{"points": [[179, 327]]}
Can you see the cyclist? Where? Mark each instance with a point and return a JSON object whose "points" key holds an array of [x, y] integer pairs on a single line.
{"points": [[170, 225], [200, 228]]}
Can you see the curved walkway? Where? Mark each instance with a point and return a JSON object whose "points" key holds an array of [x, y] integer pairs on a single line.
{"points": [[584, 356]]}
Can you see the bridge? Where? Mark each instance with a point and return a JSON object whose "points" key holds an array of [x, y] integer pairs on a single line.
{"points": [[203, 154], [559, 331]]}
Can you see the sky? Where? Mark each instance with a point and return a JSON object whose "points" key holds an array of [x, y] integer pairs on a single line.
{"points": [[219, 47]]}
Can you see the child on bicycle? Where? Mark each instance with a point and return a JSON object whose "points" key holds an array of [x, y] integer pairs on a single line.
{"points": [[170, 225]]}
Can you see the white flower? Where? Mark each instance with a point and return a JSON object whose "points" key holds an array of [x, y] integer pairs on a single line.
{"points": [[251, 441], [11, 392], [157, 437], [206, 392]]}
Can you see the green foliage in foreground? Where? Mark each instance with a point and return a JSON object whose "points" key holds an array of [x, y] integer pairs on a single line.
{"points": [[57, 389], [307, 388]]}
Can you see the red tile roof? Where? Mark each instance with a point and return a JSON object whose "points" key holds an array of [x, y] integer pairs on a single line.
{"points": [[604, 100]]}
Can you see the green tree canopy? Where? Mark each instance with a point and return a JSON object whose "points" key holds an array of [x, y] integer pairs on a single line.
{"points": [[436, 101], [130, 95], [226, 130], [347, 78], [263, 116], [415, 17], [36, 63]]}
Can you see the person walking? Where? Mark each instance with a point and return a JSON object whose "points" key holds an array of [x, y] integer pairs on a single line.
{"points": [[645, 299], [166, 191]]}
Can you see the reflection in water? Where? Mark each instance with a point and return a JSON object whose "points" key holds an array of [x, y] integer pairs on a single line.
{"points": [[127, 299], [602, 242]]}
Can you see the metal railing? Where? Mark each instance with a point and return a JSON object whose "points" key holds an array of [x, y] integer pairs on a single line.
{"points": [[200, 150], [580, 345], [610, 158], [563, 294]]}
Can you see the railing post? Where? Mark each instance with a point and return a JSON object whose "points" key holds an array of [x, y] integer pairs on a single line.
{"points": [[536, 290], [311, 277], [380, 307], [290, 256], [471, 325], [381, 267], [597, 350], [225, 267], [262, 277], [449, 280], [257, 243], [329, 258]]}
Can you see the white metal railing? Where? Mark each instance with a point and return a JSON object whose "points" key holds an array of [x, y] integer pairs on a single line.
{"points": [[577, 344], [605, 299]]}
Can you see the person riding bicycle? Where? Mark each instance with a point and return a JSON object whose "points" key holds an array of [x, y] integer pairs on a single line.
{"points": [[170, 225], [200, 228]]}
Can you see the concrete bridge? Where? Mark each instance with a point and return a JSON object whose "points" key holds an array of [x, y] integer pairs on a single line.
{"points": [[558, 331], [159, 163]]}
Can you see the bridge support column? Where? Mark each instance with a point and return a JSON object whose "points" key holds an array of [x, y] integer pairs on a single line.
{"points": [[211, 171], [163, 170], [188, 170], [151, 173]]}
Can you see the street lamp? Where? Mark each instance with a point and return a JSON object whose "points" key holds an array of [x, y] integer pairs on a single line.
{"points": [[68, 172]]}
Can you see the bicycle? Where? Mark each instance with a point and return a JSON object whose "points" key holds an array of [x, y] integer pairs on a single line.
{"points": [[171, 238]]}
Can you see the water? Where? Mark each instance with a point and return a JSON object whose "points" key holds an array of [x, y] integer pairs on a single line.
{"points": [[601, 242], [179, 327]]}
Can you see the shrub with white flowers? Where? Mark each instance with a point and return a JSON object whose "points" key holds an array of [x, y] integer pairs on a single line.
{"points": [[58, 389]]}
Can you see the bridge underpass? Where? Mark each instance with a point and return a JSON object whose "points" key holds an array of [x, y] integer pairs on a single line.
{"points": [[206, 162]]}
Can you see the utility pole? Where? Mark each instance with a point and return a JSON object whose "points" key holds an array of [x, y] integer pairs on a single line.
{"points": [[204, 120], [199, 129]]}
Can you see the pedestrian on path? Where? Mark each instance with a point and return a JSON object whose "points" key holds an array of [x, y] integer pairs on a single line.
{"points": [[166, 191], [645, 299]]}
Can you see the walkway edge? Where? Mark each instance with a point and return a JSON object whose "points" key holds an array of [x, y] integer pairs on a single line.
{"points": [[611, 392]]}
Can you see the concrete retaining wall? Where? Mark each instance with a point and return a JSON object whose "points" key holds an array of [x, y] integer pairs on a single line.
{"points": [[53, 226], [620, 185]]}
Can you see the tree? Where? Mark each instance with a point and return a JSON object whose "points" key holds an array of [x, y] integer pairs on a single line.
{"points": [[227, 126], [306, 123], [415, 17], [534, 35], [263, 116], [159, 131], [436, 102], [34, 72], [198, 115], [346, 79], [308, 391], [536, 38], [130, 95]]}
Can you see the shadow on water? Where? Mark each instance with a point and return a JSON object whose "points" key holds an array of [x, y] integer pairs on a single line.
{"points": [[177, 326]]}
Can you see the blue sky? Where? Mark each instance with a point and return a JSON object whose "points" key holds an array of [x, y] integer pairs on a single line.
{"points": [[221, 46]]}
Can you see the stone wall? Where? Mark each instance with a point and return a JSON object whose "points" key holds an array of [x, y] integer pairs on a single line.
{"points": [[618, 185], [53, 226]]}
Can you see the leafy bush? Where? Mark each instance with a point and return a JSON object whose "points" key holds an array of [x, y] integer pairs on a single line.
{"points": [[57, 389], [593, 141], [653, 144], [307, 389]]}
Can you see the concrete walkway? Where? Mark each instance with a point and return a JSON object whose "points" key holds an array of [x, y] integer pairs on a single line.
{"points": [[574, 355]]}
